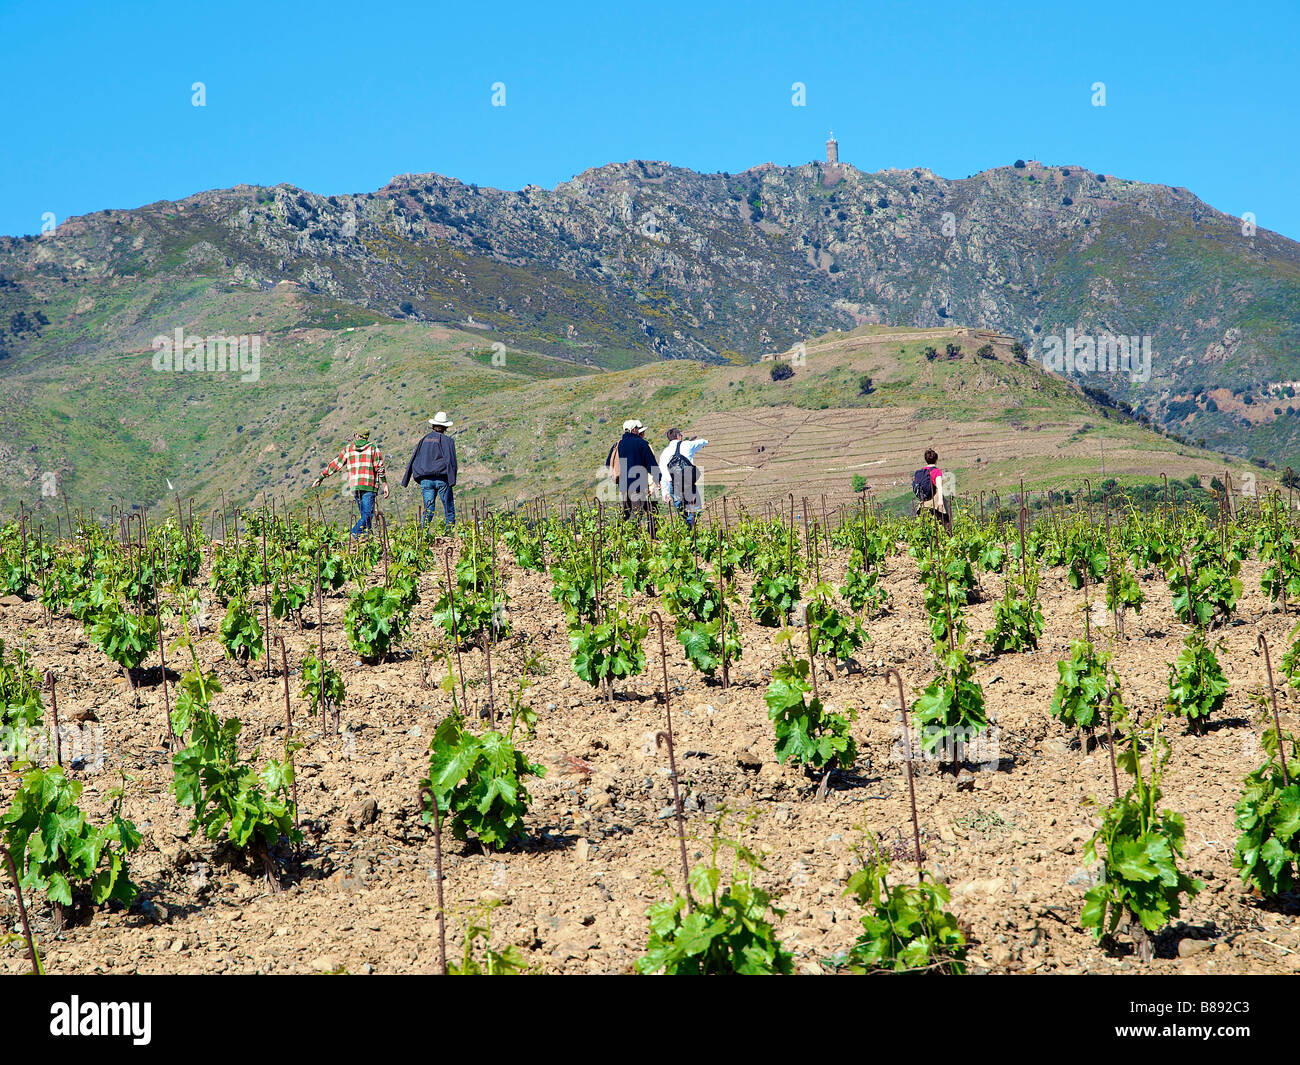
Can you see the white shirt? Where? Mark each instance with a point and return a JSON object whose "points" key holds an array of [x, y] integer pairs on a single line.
{"points": [[689, 448]]}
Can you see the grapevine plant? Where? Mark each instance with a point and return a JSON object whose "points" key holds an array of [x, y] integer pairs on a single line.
{"points": [[1087, 689], [21, 708], [241, 631], [480, 606], [696, 604], [1138, 847], [225, 790], [59, 851], [508, 961], [905, 927], [1267, 854], [375, 620], [1209, 597], [612, 648], [950, 711], [716, 930], [814, 736], [322, 685], [1197, 685], [127, 638], [1017, 618], [837, 634], [480, 779], [863, 589]]}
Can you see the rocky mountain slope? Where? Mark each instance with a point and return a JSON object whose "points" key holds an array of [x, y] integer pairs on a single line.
{"points": [[629, 263]]}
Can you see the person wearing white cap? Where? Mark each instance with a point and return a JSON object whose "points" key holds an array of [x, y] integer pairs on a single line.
{"points": [[633, 462], [433, 465]]}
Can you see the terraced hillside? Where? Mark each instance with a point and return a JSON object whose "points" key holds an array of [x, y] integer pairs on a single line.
{"points": [[626, 264], [528, 424]]}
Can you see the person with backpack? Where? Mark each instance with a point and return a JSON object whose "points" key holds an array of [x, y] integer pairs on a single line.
{"points": [[632, 463], [928, 488], [433, 465], [679, 481], [364, 463]]}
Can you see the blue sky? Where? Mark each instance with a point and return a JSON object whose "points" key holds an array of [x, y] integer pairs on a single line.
{"points": [[340, 97]]}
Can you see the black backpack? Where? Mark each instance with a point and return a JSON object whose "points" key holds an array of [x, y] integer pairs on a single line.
{"points": [[923, 485], [683, 473]]}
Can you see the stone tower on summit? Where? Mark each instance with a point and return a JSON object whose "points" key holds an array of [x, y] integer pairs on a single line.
{"points": [[832, 149]]}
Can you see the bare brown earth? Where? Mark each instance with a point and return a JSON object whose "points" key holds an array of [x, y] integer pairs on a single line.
{"points": [[574, 897]]}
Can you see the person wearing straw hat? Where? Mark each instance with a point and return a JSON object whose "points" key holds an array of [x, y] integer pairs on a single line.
{"points": [[365, 465], [433, 465]]}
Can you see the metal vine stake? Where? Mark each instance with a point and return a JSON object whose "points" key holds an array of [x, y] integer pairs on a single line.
{"points": [[455, 628], [790, 557], [812, 654], [162, 654], [807, 531], [1277, 721], [1112, 588], [864, 530], [492, 620], [665, 738], [1087, 607], [54, 710], [266, 600], [427, 795], [288, 719], [1114, 769], [22, 913], [1020, 520], [320, 649], [907, 758]]}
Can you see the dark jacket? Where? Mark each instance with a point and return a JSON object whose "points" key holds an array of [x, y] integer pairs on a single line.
{"points": [[435, 456], [638, 468]]}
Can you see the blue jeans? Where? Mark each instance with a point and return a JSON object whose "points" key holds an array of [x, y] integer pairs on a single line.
{"points": [[434, 490], [366, 502]]}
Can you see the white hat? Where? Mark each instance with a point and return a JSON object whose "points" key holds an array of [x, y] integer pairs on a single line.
{"points": [[632, 424], [441, 419]]}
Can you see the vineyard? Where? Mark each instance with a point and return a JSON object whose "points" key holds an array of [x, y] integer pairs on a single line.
{"points": [[789, 740]]}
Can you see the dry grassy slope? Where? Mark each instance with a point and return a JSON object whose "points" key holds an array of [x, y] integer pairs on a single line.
{"points": [[993, 422], [536, 423]]}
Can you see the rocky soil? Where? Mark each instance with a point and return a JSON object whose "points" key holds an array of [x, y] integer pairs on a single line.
{"points": [[574, 897]]}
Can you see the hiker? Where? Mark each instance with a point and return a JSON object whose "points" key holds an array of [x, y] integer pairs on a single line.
{"points": [[632, 461], [433, 465], [927, 487], [679, 475], [365, 465]]}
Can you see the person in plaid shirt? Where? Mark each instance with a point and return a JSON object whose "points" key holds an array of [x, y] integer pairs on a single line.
{"points": [[365, 465]]}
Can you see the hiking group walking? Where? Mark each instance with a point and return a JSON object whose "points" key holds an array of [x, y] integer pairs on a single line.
{"points": [[636, 477]]}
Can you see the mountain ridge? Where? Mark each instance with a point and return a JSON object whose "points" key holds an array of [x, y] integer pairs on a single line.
{"points": [[630, 263]]}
